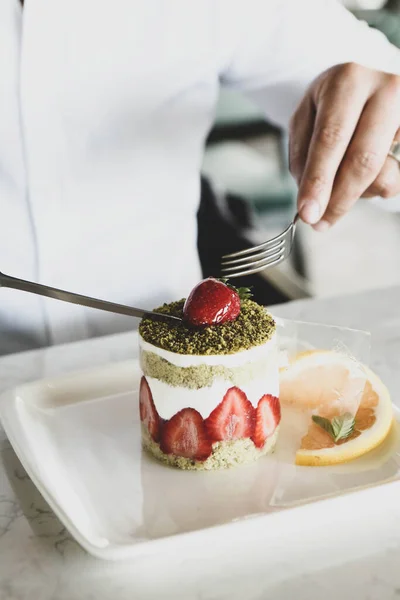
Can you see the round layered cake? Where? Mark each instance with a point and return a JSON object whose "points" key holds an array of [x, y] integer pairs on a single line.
{"points": [[209, 396]]}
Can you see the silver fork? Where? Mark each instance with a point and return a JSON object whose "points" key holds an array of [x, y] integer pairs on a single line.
{"points": [[266, 255], [50, 292]]}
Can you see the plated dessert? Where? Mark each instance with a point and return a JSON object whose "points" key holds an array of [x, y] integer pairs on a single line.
{"points": [[209, 394], [211, 390]]}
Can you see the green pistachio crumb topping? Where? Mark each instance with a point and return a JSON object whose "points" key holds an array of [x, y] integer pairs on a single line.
{"points": [[253, 327]]}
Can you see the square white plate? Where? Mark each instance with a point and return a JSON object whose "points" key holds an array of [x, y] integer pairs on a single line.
{"points": [[78, 437]]}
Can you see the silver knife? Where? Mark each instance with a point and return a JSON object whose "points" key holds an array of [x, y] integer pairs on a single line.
{"points": [[50, 292]]}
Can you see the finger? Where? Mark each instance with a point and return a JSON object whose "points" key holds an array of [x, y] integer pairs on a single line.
{"points": [[301, 128], [338, 112], [365, 155], [387, 183]]}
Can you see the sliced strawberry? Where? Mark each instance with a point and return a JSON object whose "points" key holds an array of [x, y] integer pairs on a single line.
{"points": [[148, 412], [233, 418], [268, 416], [185, 435]]}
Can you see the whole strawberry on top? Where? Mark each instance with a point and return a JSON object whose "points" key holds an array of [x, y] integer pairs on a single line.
{"points": [[211, 302]]}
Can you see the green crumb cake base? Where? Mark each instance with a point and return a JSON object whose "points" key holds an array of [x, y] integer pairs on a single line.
{"points": [[225, 455], [200, 376], [253, 326]]}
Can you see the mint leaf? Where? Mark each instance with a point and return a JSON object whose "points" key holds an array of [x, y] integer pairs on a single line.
{"points": [[325, 424], [343, 426], [339, 428]]}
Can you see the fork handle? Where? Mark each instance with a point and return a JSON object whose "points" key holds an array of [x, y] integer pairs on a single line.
{"points": [[50, 292]]}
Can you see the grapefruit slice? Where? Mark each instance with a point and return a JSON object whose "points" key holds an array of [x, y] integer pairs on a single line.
{"points": [[331, 384]]}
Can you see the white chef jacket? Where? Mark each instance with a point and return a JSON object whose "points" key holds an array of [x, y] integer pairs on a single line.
{"points": [[104, 109]]}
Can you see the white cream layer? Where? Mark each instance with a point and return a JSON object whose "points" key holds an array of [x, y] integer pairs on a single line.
{"points": [[169, 400], [238, 359]]}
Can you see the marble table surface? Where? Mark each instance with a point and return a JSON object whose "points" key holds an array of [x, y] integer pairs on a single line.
{"points": [[39, 560]]}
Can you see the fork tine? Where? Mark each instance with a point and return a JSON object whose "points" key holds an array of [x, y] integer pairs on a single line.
{"points": [[252, 271], [257, 256], [256, 259], [255, 263], [260, 247]]}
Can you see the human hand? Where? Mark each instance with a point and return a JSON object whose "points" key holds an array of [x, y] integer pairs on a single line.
{"points": [[340, 136]]}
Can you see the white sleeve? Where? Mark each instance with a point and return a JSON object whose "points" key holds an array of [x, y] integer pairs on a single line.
{"points": [[274, 49]]}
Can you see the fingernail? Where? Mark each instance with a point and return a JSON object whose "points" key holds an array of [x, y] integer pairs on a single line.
{"points": [[310, 212], [322, 226]]}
